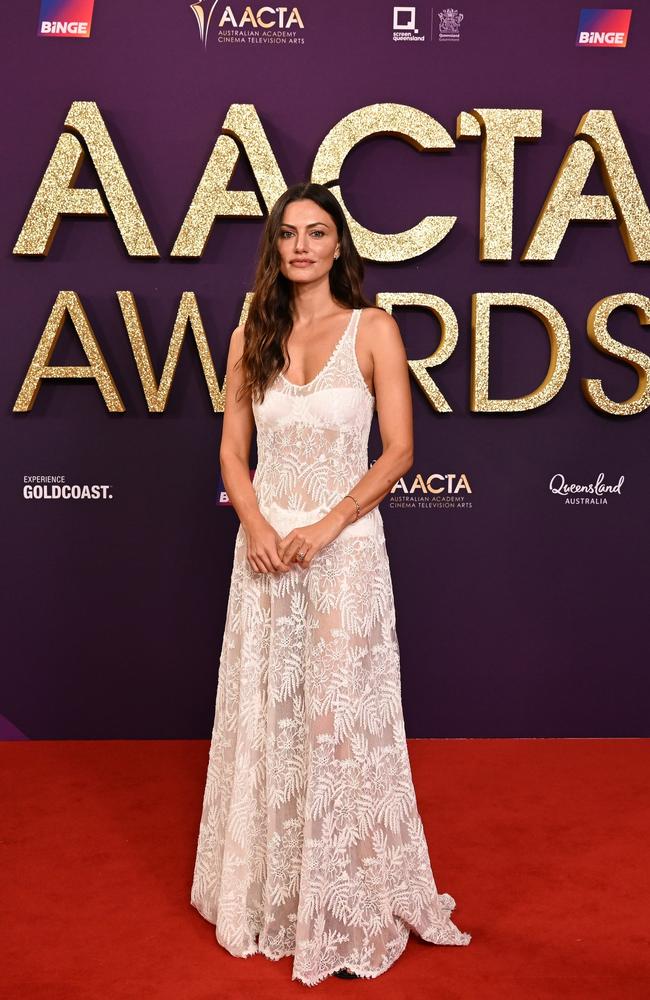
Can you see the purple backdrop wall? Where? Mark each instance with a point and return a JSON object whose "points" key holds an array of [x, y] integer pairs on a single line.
{"points": [[517, 616]]}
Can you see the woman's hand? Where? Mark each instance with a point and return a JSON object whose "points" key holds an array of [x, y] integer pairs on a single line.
{"points": [[262, 547], [309, 540]]}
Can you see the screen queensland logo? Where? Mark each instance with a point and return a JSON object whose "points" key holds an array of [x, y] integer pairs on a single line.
{"points": [[405, 27], [65, 18], [599, 27]]}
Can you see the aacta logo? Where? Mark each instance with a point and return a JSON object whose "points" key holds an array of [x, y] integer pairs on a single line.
{"points": [[437, 482], [65, 18], [263, 17], [203, 12], [598, 27]]}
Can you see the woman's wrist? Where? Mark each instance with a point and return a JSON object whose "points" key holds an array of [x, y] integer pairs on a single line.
{"points": [[253, 519], [345, 512]]}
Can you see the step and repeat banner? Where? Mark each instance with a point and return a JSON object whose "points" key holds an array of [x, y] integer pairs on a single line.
{"points": [[494, 165]]}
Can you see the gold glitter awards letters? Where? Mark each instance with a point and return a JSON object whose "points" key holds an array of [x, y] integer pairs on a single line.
{"points": [[68, 304], [448, 339], [559, 339], [156, 394], [600, 338]]}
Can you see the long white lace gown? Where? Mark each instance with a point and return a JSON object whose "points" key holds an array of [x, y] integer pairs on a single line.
{"points": [[310, 841]]}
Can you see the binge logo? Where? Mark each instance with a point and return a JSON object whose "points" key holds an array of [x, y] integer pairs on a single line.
{"points": [[65, 18], [598, 27]]}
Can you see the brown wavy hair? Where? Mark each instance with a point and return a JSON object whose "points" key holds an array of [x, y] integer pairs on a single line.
{"points": [[270, 314]]}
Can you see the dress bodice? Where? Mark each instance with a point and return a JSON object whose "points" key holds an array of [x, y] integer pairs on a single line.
{"points": [[312, 441]]}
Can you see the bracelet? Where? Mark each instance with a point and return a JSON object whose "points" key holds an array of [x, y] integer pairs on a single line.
{"points": [[356, 502]]}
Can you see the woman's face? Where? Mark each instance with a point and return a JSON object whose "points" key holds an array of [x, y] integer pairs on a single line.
{"points": [[307, 241]]}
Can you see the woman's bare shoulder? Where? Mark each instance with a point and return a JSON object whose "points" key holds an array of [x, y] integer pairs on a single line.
{"points": [[378, 318], [379, 327], [237, 336]]}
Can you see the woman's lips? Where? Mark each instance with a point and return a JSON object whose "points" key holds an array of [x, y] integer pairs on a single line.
{"points": [[301, 263]]}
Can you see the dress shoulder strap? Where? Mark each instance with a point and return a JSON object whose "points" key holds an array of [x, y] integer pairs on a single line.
{"points": [[348, 340], [354, 326]]}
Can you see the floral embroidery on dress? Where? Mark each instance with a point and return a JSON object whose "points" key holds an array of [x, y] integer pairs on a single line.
{"points": [[310, 840]]}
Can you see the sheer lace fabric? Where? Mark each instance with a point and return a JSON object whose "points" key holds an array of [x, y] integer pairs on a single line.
{"points": [[310, 841]]}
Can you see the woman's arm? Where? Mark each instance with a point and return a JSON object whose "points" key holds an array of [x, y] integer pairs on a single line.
{"points": [[381, 341], [236, 438]]}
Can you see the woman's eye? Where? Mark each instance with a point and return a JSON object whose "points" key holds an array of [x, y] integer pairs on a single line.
{"points": [[315, 232]]}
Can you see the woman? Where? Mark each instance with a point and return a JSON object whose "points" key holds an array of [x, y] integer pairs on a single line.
{"points": [[310, 841]]}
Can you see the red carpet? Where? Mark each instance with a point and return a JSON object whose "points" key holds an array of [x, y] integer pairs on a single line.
{"points": [[543, 844]]}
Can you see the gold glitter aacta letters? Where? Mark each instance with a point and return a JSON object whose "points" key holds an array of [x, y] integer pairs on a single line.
{"points": [[597, 135], [212, 198], [498, 129], [421, 131], [57, 195]]}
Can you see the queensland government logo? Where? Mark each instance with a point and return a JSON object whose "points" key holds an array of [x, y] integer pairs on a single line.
{"points": [[247, 25], [449, 29], [65, 18], [602, 26]]}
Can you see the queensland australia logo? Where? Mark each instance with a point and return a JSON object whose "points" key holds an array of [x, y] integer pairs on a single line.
{"points": [[435, 491], [65, 18], [602, 26], [449, 27], [581, 493], [248, 25], [405, 28]]}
